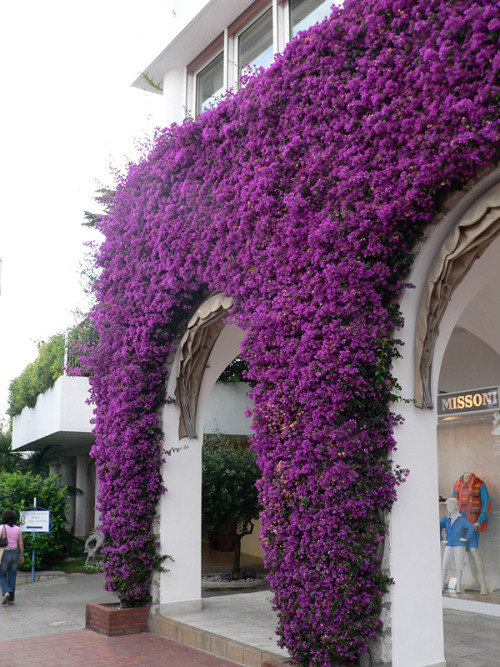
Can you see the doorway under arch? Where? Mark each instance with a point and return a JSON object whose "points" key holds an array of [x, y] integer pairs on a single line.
{"points": [[180, 509], [416, 601]]}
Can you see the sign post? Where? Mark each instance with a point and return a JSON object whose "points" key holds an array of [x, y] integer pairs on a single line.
{"points": [[34, 521]]}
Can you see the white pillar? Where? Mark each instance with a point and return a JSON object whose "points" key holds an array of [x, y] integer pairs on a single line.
{"points": [[180, 532], [180, 507], [97, 514], [67, 480], [415, 553], [82, 462]]}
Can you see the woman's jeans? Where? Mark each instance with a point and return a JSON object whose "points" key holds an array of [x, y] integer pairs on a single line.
{"points": [[8, 572]]}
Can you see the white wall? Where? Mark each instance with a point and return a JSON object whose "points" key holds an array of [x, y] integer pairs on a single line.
{"points": [[62, 408], [468, 363], [225, 411]]}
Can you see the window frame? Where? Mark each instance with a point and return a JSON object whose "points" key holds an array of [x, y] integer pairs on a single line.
{"points": [[196, 67], [239, 26], [227, 44], [288, 13]]}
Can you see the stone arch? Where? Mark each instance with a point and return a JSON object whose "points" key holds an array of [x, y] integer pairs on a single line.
{"points": [[476, 229], [202, 332], [416, 600], [208, 346]]}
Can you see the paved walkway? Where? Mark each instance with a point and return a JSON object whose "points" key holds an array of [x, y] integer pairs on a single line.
{"points": [[46, 627], [471, 640], [88, 649]]}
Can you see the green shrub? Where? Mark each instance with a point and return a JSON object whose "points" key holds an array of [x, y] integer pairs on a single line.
{"points": [[234, 372], [17, 492], [38, 376], [229, 495]]}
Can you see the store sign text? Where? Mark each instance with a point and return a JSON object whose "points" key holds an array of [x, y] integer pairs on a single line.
{"points": [[468, 401]]}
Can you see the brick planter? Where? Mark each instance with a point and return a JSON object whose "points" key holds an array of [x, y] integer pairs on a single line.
{"points": [[108, 619]]}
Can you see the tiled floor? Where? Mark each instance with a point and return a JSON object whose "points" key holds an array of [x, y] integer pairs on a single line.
{"points": [[471, 640], [82, 648], [44, 628]]}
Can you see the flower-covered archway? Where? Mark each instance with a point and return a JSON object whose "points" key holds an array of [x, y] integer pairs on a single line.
{"points": [[301, 197]]}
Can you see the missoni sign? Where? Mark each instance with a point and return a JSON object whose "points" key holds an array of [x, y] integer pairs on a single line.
{"points": [[472, 400]]}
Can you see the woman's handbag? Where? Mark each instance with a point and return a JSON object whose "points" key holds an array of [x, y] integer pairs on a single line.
{"points": [[3, 543]]}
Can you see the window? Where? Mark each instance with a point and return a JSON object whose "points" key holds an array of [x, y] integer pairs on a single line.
{"points": [[209, 83], [305, 13], [255, 44]]}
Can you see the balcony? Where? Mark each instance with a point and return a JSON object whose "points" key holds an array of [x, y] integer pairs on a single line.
{"points": [[61, 417]]}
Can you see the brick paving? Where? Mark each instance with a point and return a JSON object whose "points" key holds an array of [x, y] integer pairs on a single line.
{"points": [[81, 648], [471, 640]]}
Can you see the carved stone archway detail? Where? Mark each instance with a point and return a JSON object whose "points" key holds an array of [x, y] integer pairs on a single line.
{"points": [[203, 329], [467, 241]]}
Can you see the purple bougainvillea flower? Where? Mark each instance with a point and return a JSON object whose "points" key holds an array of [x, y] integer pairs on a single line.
{"points": [[301, 196]]}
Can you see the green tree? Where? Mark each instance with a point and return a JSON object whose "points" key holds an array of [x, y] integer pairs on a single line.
{"points": [[234, 372], [38, 376], [229, 493], [9, 460], [17, 492]]}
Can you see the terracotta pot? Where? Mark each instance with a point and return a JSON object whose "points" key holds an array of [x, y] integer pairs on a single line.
{"points": [[108, 619]]}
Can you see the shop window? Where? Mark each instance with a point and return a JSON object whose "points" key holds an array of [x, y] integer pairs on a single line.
{"points": [[255, 44], [305, 13], [469, 469], [209, 84]]}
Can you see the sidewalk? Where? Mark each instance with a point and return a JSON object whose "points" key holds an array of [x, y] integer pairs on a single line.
{"points": [[83, 648], [46, 628]]}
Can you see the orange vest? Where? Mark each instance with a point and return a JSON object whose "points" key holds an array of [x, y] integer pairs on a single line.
{"points": [[469, 500]]}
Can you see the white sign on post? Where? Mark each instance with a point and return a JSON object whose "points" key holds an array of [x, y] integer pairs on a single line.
{"points": [[34, 521]]}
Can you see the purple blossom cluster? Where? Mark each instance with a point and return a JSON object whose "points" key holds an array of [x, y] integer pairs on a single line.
{"points": [[301, 196]]}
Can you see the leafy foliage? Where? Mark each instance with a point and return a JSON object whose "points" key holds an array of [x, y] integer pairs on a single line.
{"points": [[9, 461], [302, 197], [17, 491], [229, 492], [234, 372], [81, 339], [38, 376], [102, 197]]}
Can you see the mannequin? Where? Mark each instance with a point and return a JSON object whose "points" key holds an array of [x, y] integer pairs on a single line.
{"points": [[474, 502], [458, 533]]}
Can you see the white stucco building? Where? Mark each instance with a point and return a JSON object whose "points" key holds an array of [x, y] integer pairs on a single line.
{"points": [[451, 344], [60, 424]]}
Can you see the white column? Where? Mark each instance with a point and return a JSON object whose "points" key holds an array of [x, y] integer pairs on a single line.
{"points": [[415, 553], [67, 480], [82, 462], [180, 507], [97, 514]]}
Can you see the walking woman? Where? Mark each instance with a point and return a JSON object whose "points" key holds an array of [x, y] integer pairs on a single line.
{"points": [[12, 556]]}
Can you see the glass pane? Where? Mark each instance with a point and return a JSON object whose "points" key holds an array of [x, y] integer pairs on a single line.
{"points": [[305, 13], [255, 44], [210, 83]]}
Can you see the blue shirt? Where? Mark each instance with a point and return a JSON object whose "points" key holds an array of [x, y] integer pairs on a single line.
{"points": [[456, 530]]}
